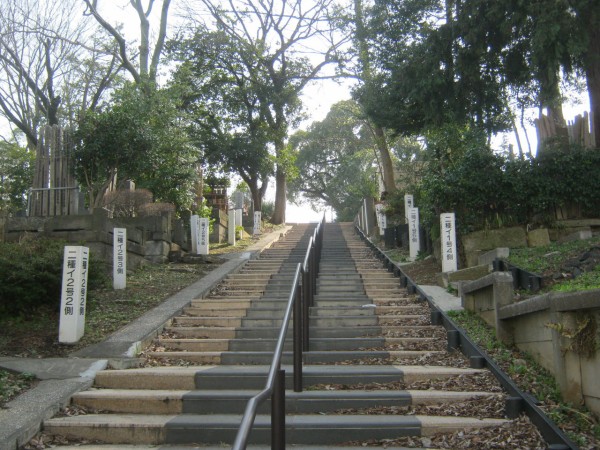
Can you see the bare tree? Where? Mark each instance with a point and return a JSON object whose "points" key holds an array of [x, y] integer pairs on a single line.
{"points": [[147, 68], [292, 41], [44, 48]]}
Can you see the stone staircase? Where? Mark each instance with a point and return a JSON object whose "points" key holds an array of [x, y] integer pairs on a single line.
{"points": [[376, 369]]}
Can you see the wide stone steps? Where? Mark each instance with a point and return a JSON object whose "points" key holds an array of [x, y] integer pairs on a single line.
{"points": [[367, 336], [301, 429], [144, 401]]}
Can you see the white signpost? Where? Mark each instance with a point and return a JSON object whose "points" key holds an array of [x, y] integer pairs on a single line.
{"points": [[231, 227], [365, 218], [413, 232], [195, 229], [203, 239], [448, 239], [381, 218], [409, 202], [119, 258], [257, 222], [73, 294]]}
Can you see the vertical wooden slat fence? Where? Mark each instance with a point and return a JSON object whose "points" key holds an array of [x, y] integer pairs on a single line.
{"points": [[54, 191]]}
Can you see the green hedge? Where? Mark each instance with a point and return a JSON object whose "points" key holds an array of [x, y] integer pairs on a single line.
{"points": [[31, 274], [488, 190]]}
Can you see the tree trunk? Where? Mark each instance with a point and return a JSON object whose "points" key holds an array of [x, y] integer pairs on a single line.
{"points": [[280, 197], [592, 72], [387, 165]]}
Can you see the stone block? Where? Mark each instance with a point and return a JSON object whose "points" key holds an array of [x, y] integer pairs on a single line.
{"points": [[487, 296], [157, 248], [580, 235], [538, 238], [497, 253], [479, 242], [446, 279], [471, 273]]}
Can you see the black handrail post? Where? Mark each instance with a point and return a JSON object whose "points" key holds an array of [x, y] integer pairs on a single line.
{"points": [[306, 291], [313, 276], [278, 412], [297, 353]]}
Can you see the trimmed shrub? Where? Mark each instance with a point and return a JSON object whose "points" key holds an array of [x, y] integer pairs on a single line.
{"points": [[31, 274]]}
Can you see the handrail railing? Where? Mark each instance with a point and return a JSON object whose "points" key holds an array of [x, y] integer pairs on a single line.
{"points": [[299, 301]]}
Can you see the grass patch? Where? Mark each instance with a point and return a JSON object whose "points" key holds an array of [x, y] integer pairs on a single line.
{"points": [[549, 257], [584, 282], [107, 310], [12, 384], [579, 424]]}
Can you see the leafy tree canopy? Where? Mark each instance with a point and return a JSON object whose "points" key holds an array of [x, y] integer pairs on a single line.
{"points": [[16, 176], [140, 137], [335, 161]]}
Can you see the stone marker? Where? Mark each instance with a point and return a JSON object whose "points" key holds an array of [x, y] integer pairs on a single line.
{"points": [[538, 237], [203, 236], [448, 241], [119, 258], [408, 203], [381, 218], [257, 222], [195, 229], [231, 227], [413, 232], [74, 294]]}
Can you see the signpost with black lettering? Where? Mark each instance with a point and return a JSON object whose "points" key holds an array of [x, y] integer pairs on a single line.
{"points": [[409, 202], [73, 294], [195, 231], [203, 241], [413, 232], [448, 240], [119, 258], [257, 222], [231, 227]]}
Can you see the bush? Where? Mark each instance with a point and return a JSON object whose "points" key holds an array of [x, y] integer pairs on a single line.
{"points": [[31, 274], [487, 190]]}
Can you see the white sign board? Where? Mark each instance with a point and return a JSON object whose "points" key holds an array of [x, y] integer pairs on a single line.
{"points": [[409, 202], [448, 239], [195, 231], [119, 258], [413, 232], [238, 217], [203, 238], [73, 294], [231, 227], [381, 219], [257, 222], [365, 217]]}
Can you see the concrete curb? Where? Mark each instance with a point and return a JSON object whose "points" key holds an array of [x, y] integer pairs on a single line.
{"points": [[63, 377]]}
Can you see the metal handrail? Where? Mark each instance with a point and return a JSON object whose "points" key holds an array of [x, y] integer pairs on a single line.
{"points": [[252, 406], [299, 301]]}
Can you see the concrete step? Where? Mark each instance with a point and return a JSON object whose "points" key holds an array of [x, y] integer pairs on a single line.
{"points": [[204, 447], [217, 428], [254, 377], [266, 344], [257, 357], [140, 401], [266, 332]]}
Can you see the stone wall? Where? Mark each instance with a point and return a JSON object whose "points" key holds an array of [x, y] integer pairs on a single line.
{"points": [[148, 238], [541, 326]]}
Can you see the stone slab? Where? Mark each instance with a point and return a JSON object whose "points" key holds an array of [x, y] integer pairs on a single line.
{"points": [[444, 300], [497, 253], [538, 238]]}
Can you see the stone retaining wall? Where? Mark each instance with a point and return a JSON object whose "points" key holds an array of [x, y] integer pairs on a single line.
{"points": [[148, 238], [541, 326]]}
